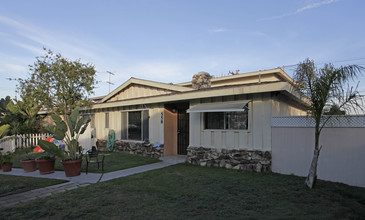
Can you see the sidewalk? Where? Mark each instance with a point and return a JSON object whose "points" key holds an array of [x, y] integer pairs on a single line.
{"points": [[77, 181]]}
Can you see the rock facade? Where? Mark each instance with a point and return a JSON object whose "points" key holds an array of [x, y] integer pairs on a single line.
{"points": [[259, 161], [137, 148], [201, 80]]}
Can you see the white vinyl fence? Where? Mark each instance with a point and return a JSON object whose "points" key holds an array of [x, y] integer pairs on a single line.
{"points": [[341, 158], [26, 140], [86, 140]]}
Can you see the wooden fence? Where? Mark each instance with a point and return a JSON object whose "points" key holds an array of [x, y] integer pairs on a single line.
{"points": [[10, 143]]}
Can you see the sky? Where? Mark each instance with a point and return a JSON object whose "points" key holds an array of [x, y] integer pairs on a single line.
{"points": [[170, 41]]}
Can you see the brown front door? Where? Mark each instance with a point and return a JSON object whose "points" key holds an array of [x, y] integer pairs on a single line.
{"points": [[170, 133]]}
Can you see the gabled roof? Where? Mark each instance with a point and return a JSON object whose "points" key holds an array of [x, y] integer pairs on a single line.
{"points": [[147, 83], [248, 83], [284, 87]]}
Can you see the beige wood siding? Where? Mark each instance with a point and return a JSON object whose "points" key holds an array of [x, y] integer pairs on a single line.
{"points": [[226, 139], [261, 122], [156, 125], [196, 127], [257, 137], [137, 91], [282, 106], [100, 125]]}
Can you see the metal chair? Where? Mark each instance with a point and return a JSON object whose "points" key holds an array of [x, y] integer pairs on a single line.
{"points": [[92, 156]]}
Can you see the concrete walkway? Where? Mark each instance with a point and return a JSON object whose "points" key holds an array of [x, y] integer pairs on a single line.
{"points": [[77, 181]]}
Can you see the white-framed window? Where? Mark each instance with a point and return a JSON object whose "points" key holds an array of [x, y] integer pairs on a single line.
{"points": [[135, 125], [226, 120]]}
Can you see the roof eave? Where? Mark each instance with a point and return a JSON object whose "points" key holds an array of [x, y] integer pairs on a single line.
{"points": [[204, 93]]}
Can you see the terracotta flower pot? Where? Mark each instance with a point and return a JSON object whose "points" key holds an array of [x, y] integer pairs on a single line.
{"points": [[72, 167], [29, 165], [7, 167], [46, 166]]}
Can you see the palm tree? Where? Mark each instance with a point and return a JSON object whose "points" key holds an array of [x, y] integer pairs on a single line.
{"points": [[322, 87], [4, 130]]}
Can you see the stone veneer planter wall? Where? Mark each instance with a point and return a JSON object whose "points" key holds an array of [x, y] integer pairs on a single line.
{"points": [[259, 161], [137, 148]]}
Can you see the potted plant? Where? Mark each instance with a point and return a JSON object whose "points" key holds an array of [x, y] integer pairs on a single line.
{"points": [[46, 163], [29, 164], [68, 130], [6, 162]]}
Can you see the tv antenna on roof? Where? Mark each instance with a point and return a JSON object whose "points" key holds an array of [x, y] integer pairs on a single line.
{"points": [[109, 82]]}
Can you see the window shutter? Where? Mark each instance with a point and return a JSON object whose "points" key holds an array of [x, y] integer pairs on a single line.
{"points": [[124, 127], [145, 124]]}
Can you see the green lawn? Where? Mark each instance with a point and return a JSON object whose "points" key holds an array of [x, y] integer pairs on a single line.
{"points": [[192, 192], [17, 184], [113, 161]]}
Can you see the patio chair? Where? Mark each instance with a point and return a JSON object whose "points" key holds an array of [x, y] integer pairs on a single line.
{"points": [[92, 156]]}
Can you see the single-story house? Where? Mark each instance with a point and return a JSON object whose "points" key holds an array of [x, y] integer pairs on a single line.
{"points": [[227, 123]]}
